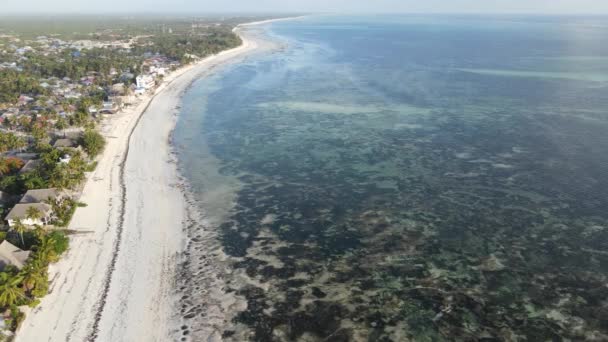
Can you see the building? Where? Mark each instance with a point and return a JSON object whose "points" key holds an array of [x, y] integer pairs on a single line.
{"points": [[11, 255], [118, 89], [24, 99], [65, 143], [20, 212], [112, 106], [144, 81], [26, 155], [41, 195], [159, 71], [126, 76], [140, 91], [30, 165]]}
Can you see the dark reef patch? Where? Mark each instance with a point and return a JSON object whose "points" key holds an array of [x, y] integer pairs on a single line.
{"points": [[392, 196]]}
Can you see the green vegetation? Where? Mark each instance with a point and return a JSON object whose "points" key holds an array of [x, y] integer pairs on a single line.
{"points": [[63, 210], [9, 141], [180, 47], [20, 229], [50, 174], [14, 83], [99, 61], [93, 142], [67, 175], [60, 243], [99, 28], [9, 165], [25, 286], [49, 87]]}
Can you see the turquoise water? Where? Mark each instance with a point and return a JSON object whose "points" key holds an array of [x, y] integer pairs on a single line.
{"points": [[416, 178]]}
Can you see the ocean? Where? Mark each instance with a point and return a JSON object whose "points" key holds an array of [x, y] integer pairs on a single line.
{"points": [[409, 178]]}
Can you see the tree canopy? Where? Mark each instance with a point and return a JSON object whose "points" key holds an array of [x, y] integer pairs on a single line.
{"points": [[93, 142], [10, 141], [14, 83]]}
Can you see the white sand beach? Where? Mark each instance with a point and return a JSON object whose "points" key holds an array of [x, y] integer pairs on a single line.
{"points": [[114, 284]]}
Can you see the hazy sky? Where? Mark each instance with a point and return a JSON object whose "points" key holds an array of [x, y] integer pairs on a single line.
{"points": [[203, 6]]}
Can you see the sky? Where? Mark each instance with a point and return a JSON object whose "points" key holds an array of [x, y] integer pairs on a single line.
{"points": [[283, 6]]}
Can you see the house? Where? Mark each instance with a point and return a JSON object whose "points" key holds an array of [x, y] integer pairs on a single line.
{"points": [[26, 155], [20, 212], [24, 49], [24, 99], [11, 255], [72, 95], [127, 76], [118, 89], [159, 71], [109, 107], [6, 116], [144, 81], [87, 81], [30, 165], [65, 143], [41, 195]]}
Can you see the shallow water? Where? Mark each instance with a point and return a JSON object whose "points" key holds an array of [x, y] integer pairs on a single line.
{"points": [[410, 178]]}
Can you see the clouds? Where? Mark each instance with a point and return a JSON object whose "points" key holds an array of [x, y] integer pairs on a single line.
{"points": [[365, 6]]}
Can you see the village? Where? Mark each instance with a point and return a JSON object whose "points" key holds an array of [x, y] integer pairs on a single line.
{"points": [[48, 143], [54, 93]]}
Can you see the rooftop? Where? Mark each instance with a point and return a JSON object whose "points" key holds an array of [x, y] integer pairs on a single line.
{"points": [[30, 165], [64, 143], [12, 255], [40, 195], [20, 210]]}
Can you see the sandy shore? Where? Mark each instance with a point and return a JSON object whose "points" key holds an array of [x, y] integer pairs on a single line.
{"points": [[115, 283]]}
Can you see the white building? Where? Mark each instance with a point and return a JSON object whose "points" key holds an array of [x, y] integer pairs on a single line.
{"points": [[20, 212], [144, 81], [160, 71]]}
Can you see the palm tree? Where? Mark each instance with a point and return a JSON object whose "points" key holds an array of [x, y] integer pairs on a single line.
{"points": [[34, 274], [10, 290], [9, 141], [4, 166], [33, 213], [40, 233], [61, 124], [8, 165], [45, 251], [20, 228]]}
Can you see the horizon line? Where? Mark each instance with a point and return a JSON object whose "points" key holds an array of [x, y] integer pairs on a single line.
{"points": [[279, 13]]}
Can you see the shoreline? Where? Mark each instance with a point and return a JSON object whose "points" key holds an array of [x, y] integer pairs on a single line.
{"points": [[114, 283], [203, 308]]}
